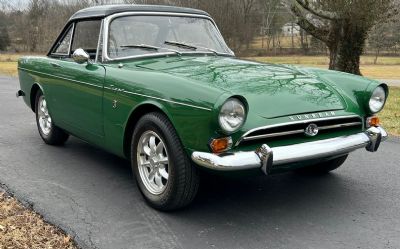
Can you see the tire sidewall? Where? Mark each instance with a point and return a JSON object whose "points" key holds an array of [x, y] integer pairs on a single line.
{"points": [[151, 123], [44, 136]]}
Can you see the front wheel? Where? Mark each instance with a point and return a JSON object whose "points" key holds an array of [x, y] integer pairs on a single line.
{"points": [[324, 167], [165, 176], [49, 132]]}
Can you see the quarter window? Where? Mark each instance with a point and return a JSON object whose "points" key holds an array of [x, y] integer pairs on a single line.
{"points": [[63, 45]]}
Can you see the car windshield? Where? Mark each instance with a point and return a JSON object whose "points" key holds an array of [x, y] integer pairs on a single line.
{"points": [[142, 35]]}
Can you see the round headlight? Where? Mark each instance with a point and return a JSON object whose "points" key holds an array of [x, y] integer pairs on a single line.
{"points": [[377, 100], [232, 115]]}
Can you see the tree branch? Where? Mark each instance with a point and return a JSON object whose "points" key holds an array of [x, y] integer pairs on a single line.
{"points": [[318, 32], [305, 4]]}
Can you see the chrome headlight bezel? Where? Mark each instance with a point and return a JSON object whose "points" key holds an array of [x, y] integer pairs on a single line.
{"points": [[378, 99], [232, 115]]}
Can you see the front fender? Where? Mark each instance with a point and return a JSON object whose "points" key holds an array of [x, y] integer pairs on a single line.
{"points": [[356, 90]]}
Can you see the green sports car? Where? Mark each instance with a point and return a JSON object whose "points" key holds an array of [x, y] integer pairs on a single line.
{"points": [[158, 86]]}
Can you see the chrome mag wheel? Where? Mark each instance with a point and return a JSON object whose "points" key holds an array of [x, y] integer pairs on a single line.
{"points": [[153, 162], [44, 116]]}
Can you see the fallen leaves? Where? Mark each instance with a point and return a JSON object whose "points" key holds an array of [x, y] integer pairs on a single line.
{"points": [[22, 228]]}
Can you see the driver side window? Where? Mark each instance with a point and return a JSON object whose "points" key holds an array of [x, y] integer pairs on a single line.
{"points": [[82, 34], [86, 36]]}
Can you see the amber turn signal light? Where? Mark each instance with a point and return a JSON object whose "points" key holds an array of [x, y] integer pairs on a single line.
{"points": [[373, 121], [219, 145]]}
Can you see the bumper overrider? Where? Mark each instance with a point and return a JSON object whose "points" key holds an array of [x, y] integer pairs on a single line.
{"points": [[265, 157]]}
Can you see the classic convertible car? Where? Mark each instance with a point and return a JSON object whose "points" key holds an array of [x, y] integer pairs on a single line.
{"points": [[158, 86]]}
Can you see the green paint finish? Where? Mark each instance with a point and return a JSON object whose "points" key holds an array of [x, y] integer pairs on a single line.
{"points": [[95, 102]]}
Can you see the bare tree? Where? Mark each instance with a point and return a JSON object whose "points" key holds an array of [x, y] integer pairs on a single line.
{"points": [[343, 25], [270, 8], [4, 37]]}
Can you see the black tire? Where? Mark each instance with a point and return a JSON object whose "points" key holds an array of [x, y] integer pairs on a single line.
{"points": [[183, 177], [324, 167], [55, 136]]}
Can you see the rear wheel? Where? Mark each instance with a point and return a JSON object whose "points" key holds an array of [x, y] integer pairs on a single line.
{"points": [[164, 173], [324, 167], [49, 132]]}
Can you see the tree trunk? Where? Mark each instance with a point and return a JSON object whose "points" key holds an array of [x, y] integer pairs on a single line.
{"points": [[346, 45], [376, 56]]}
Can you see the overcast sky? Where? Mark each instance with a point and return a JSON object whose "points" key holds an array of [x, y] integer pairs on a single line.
{"points": [[23, 3], [13, 3]]}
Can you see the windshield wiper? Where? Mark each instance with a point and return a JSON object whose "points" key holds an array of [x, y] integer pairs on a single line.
{"points": [[189, 46], [180, 45], [150, 47], [141, 46]]}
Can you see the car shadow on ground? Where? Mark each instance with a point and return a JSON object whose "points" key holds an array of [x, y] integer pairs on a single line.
{"points": [[286, 192]]}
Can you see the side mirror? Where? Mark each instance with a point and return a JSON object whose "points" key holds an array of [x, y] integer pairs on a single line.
{"points": [[80, 56]]}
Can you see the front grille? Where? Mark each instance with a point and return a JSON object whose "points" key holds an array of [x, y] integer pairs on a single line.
{"points": [[296, 128]]}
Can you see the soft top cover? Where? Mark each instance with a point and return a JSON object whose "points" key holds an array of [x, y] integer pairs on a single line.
{"points": [[106, 10]]}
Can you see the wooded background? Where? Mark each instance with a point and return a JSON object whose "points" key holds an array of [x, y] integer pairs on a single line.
{"points": [[250, 27]]}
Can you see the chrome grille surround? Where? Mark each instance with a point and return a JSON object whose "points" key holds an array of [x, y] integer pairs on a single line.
{"points": [[284, 129]]}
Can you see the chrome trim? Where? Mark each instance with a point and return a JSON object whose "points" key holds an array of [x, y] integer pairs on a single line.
{"points": [[80, 56], [339, 125], [161, 99], [58, 77], [277, 134], [72, 39], [108, 20], [72, 28], [99, 42], [376, 136], [292, 123], [265, 157], [284, 133]]}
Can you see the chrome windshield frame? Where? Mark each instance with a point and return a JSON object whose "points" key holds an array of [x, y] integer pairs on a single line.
{"points": [[109, 19]]}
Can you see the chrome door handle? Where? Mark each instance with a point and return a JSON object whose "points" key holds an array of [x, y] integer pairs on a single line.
{"points": [[55, 65]]}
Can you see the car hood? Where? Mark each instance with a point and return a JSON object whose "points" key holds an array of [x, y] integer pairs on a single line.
{"points": [[270, 90]]}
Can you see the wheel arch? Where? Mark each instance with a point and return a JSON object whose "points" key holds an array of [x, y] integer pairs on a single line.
{"points": [[32, 95], [138, 112]]}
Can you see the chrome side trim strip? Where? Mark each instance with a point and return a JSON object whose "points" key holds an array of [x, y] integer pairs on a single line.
{"points": [[277, 134], [161, 99], [128, 92], [292, 123], [59, 77]]}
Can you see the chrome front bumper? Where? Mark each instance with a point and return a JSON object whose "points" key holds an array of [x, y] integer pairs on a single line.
{"points": [[265, 157]]}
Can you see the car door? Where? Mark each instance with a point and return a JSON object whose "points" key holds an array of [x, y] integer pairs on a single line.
{"points": [[77, 92]]}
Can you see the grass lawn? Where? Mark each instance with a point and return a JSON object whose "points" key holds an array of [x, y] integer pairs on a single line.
{"points": [[8, 68], [23, 228], [390, 116], [386, 67]]}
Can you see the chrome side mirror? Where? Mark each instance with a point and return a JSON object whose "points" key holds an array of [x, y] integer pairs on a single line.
{"points": [[80, 56]]}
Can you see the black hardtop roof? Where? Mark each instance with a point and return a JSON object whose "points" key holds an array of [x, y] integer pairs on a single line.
{"points": [[106, 10]]}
